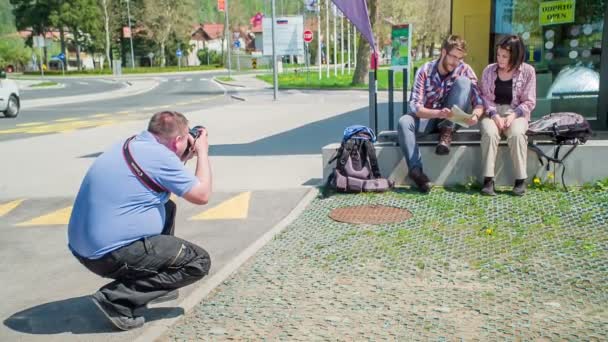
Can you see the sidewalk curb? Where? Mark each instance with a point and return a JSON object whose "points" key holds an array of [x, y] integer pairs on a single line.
{"points": [[57, 86], [156, 329], [237, 98]]}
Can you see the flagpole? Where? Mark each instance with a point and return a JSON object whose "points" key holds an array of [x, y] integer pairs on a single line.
{"points": [[319, 61], [342, 42], [348, 42], [327, 36], [335, 16], [275, 76], [355, 45]]}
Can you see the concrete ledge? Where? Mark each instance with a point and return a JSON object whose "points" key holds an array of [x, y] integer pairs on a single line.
{"points": [[464, 162]]}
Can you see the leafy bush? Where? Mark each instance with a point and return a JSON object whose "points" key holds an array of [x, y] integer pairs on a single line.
{"points": [[214, 57], [13, 52]]}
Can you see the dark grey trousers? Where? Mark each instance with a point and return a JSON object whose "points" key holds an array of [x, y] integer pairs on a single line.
{"points": [[149, 268]]}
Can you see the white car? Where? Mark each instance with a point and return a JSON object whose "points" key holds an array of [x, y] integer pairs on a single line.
{"points": [[9, 96]]}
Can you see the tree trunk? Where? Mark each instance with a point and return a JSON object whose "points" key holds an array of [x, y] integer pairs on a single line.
{"points": [[162, 54], [363, 50], [106, 27], [431, 48], [62, 39]]}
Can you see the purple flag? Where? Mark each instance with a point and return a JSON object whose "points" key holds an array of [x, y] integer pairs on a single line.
{"points": [[356, 11]]}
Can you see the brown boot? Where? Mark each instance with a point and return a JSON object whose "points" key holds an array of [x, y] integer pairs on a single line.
{"points": [[420, 179], [445, 140]]}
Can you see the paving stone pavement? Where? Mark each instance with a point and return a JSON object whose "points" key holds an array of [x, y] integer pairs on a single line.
{"points": [[464, 267]]}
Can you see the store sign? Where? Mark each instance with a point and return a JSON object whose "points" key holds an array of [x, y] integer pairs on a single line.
{"points": [[289, 33], [556, 12], [401, 37]]}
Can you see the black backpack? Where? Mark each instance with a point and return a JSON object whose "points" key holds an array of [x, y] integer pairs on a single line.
{"points": [[356, 164], [562, 129]]}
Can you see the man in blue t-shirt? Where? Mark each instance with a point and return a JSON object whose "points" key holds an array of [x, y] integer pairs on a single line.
{"points": [[122, 222]]}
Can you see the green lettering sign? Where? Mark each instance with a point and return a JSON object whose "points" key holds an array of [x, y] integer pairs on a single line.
{"points": [[556, 12]]}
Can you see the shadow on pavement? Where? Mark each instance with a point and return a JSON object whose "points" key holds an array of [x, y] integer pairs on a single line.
{"points": [[74, 315], [307, 139]]}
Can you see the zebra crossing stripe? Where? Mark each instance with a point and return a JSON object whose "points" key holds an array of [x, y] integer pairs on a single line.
{"points": [[8, 207], [58, 217]]}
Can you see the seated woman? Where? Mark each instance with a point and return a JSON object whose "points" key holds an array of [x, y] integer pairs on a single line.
{"points": [[508, 88]]}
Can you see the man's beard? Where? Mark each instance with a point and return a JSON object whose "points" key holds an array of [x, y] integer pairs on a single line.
{"points": [[446, 66]]}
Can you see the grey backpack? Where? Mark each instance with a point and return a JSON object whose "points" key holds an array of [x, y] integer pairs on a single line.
{"points": [[357, 166]]}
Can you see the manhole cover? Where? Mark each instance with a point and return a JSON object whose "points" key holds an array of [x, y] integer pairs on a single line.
{"points": [[370, 214]]}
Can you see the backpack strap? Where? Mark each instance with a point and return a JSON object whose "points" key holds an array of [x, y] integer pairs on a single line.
{"points": [[370, 151], [346, 150], [555, 159], [138, 171]]}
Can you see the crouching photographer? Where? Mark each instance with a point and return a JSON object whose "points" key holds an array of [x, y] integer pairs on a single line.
{"points": [[122, 221]]}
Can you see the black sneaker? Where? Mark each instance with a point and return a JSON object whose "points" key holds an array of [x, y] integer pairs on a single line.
{"points": [[119, 321], [519, 189], [421, 180], [173, 295], [488, 187]]}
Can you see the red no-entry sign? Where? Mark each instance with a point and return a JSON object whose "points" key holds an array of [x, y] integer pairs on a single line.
{"points": [[308, 36]]}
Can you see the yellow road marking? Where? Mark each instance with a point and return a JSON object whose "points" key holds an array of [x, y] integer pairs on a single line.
{"points": [[66, 119], [233, 209], [148, 108], [103, 115], [7, 207], [30, 124], [59, 217], [163, 107], [125, 112]]}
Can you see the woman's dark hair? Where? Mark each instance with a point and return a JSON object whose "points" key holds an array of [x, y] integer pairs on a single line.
{"points": [[516, 47]]}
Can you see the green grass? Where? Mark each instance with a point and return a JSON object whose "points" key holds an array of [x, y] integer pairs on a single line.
{"points": [[44, 84], [224, 78], [126, 70], [302, 80]]}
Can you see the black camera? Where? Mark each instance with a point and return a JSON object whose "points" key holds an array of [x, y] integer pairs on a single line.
{"points": [[195, 132]]}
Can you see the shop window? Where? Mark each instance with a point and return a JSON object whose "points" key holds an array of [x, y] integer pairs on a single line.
{"points": [[564, 44]]}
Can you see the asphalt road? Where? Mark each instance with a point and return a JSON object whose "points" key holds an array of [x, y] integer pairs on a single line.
{"points": [[183, 92]]}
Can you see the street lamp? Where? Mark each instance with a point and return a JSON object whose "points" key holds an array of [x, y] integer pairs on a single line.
{"points": [[130, 34]]}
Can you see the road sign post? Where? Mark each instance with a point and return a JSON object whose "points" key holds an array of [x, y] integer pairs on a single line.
{"points": [[308, 37], [178, 54]]}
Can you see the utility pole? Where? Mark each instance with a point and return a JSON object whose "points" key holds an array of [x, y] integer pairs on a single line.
{"points": [[228, 41], [275, 74], [130, 34]]}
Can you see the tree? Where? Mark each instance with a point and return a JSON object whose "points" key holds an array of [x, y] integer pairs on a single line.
{"points": [[161, 18], [82, 17], [363, 49], [105, 10], [430, 20], [34, 15]]}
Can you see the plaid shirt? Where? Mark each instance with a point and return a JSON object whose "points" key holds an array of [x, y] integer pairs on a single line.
{"points": [[524, 89], [431, 89]]}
